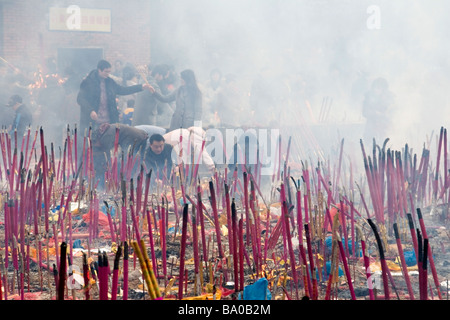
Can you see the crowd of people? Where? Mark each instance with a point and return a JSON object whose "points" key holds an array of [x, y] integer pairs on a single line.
{"points": [[149, 103]]}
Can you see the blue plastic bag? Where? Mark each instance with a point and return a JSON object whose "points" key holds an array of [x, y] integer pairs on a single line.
{"points": [[329, 242], [258, 291], [410, 258], [77, 244], [112, 211], [328, 266]]}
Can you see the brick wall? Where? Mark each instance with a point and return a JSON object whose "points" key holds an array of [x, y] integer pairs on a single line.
{"points": [[27, 40]]}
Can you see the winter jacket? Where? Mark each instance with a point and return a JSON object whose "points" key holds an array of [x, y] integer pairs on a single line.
{"points": [[89, 97], [150, 111], [188, 107], [162, 162]]}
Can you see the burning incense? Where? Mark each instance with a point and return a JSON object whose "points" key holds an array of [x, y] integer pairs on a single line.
{"points": [[144, 270], [106, 272], [311, 263], [100, 272], [365, 254], [382, 259], [216, 218], [111, 228], [133, 215], [86, 277], [241, 253], [202, 224], [346, 269], [430, 254], [116, 273], [423, 283], [229, 218], [425, 269], [195, 247], [403, 263], [436, 177], [333, 269], [62, 271], [150, 233], [147, 188], [163, 232], [150, 270], [125, 270], [235, 246], [291, 251], [183, 250], [413, 234]]}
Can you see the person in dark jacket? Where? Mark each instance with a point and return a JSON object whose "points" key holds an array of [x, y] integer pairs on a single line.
{"points": [[97, 97], [158, 156], [188, 101], [98, 109], [22, 118]]}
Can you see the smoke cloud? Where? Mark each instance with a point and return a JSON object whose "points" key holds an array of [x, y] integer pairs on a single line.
{"points": [[325, 52], [337, 47]]}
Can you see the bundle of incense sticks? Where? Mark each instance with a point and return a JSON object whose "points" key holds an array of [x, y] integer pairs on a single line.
{"points": [[147, 270]]}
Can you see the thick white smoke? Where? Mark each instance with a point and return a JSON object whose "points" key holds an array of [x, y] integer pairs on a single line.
{"points": [[329, 43]]}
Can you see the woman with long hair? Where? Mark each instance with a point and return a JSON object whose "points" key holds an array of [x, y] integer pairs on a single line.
{"points": [[188, 101]]}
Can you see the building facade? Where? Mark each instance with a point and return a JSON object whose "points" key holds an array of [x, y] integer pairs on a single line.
{"points": [[74, 33]]}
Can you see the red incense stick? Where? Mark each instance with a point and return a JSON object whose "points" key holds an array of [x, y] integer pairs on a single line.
{"points": [[235, 246], [86, 277], [216, 218], [311, 263], [365, 254], [62, 271], [425, 269], [125, 270], [402, 260], [202, 224], [413, 235], [346, 269], [241, 254], [195, 239], [183, 250], [116, 273], [229, 218], [163, 232], [430, 254], [382, 259], [290, 248], [150, 233]]}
